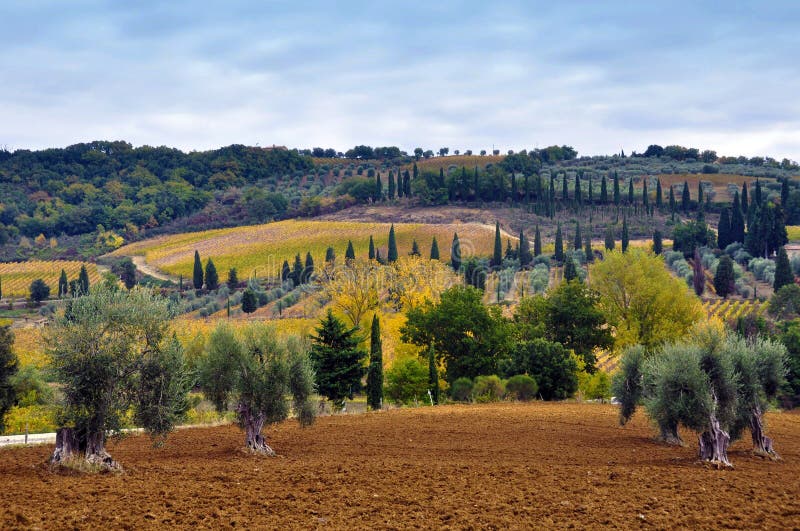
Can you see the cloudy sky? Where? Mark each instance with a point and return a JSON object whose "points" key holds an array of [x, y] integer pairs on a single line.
{"points": [[599, 76]]}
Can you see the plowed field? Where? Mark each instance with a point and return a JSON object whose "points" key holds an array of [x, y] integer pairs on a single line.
{"points": [[512, 466]]}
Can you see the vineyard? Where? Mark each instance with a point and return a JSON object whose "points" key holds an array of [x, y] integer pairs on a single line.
{"points": [[17, 276], [261, 249], [719, 181], [731, 309]]}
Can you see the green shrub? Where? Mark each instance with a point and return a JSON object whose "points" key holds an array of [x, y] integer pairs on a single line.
{"points": [[407, 380], [521, 387], [599, 387], [488, 389], [461, 390]]}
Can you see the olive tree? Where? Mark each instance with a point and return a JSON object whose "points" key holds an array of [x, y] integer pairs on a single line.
{"points": [[112, 354], [255, 372]]}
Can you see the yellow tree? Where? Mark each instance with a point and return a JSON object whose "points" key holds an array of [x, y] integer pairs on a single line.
{"points": [[645, 303], [354, 289], [414, 280]]}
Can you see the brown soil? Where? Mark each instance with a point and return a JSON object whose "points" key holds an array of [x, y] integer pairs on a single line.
{"points": [[516, 466]]}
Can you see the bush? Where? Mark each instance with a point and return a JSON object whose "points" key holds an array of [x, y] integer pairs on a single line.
{"points": [[599, 387], [407, 380], [488, 389], [461, 390], [521, 387]]}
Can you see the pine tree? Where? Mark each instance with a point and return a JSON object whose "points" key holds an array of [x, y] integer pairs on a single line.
{"points": [[617, 198], [559, 253], [330, 255], [659, 199], [625, 240], [724, 229], [371, 254], [392, 252], [630, 191], [249, 301], [524, 250], [645, 199], [375, 371], [233, 278], [685, 197], [724, 277], [286, 272], [434, 249], [350, 253], [391, 190], [737, 221], [83, 280], [609, 240], [433, 375], [783, 270], [570, 270], [63, 285], [338, 361], [657, 242], [497, 256], [212, 278], [414, 249], [455, 253], [197, 277], [578, 243], [308, 271], [537, 242], [603, 191]]}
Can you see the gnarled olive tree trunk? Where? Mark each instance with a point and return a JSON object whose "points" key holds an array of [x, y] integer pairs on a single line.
{"points": [[669, 434], [252, 425], [91, 448], [714, 444], [762, 445]]}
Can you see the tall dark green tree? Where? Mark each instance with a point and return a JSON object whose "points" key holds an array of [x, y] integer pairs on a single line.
{"points": [[603, 191], [524, 250], [672, 204], [537, 242], [564, 192], [338, 360], [657, 242], [433, 375], [757, 198], [630, 191], [737, 221], [578, 243], [414, 249], [570, 270], [587, 250], [212, 278], [645, 198], [497, 256], [783, 270], [330, 255], [724, 277], [378, 194], [391, 254], [578, 198], [609, 239], [659, 198], [391, 190], [197, 276], [724, 229], [455, 253], [350, 253], [434, 249], [685, 197], [249, 301], [371, 254], [784, 192], [745, 205], [83, 280], [9, 366], [559, 252], [128, 276], [699, 194], [375, 371], [63, 284], [286, 271], [297, 271], [617, 198], [625, 239], [406, 184], [308, 270]]}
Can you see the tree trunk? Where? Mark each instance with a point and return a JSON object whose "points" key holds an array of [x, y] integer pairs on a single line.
{"points": [[69, 446], [669, 434], [714, 444], [762, 445], [253, 424]]}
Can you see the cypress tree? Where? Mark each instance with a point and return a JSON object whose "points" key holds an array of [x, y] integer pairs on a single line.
{"points": [[524, 250], [570, 271], [464, 184], [745, 205], [672, 204], [375, 372], [757, 199], [379, 258], [349, 254], [784, 191], [434, 249], [330, 255], [645, 199], [414, 249], [308, 272], [233, 278], [699, 194], [286, 272], [624, 233], [433, 375], [197, 276], [724, 277], [407, 183], [297, 271], [589, 199], [724, 229], [783, 270], [537, 242], [391, 190], [578, 243], [371, 248], [497, 256], [609, 240], [603, 191], [630, 191], [685, 198], [83, 280], [564, 193], [657, 243], [513, 187], [416, 171], [559, 254], [587, 250], [659, 199], [392, 252], [578, 189], [378, 188], [617, 198], [552, 196], [212, 279], [455, 253], [737, 221], [63, 285]]}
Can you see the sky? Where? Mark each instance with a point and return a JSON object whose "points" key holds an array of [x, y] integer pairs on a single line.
{"points": [[599, 76]]}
